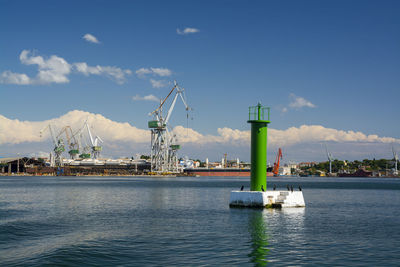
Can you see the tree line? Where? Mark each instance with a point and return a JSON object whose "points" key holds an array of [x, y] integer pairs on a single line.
{"points": [[338, 166]]}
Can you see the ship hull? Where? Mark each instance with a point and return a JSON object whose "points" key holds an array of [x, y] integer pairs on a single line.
{"points": [[221, 172], [358, 173]]}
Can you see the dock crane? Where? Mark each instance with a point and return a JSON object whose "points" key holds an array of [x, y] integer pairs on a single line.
{"points": [[163, 144], [329, 155], [73, 144], [95, 145], [396, 158], [84, 148], [58, 142], [275, 169]]}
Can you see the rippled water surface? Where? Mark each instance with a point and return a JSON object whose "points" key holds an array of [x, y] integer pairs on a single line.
{"points": [[129, 221]]}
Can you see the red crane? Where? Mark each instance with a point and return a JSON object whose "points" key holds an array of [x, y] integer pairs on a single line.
{"points": [[275, 170]]}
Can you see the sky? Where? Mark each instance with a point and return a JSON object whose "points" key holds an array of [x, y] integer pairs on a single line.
{"points": [[329, 71]]}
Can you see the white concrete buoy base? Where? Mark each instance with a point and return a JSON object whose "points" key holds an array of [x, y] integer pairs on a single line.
{"points": [[268, 199]]}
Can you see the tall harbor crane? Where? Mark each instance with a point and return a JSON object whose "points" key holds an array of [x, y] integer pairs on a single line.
{"points": [[329, 155], [73, 144], [396, 159], [277, 162], [59, 147], [84, 147], [95, 143], [163, 143]]}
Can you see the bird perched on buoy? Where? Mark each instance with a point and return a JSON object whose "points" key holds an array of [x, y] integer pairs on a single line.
{"points": [[241, 189], [262, 188]]}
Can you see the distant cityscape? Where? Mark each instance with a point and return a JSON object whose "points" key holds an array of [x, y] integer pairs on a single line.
{"points": [[141, 166]]}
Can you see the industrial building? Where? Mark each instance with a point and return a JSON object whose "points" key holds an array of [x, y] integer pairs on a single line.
{"points": [[19, 165]]}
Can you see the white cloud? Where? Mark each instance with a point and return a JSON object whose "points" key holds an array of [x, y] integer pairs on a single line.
{"points": [[110, 131], [142, 72], [291, 136], [157, 83], [56, 70], [83, 68], [146, 98], [9, 77], [39, 154], [117, 136], [187, 31], [318, 133], [52, 70], [163, 72], [90, 38], [299, 102], [114, 73]]}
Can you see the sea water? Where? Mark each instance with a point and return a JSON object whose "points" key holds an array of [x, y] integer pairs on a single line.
{"points": [[141, 221]]}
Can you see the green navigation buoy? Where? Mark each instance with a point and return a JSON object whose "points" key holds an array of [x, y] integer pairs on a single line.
{"points": [[259, 119], [258, 195]]}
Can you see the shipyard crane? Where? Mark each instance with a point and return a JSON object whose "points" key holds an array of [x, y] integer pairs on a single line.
{"points": [[163, 144], [58, 144], [329, 155], [396, 158], [275, 169], [95, 145], [84, 149], [73, 144]]}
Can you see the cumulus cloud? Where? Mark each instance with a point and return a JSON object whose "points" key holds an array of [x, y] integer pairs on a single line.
{"points": [[117, 135], [318, 133], [52, 70], [90, 38], [39, 154], [225, 136], [115, 73], [56, 70], [157, 84], [9, 77], [146, 98], [142, 72], [298, 102], [187, 31], [288, 137], [108, 130], [163, 72]]}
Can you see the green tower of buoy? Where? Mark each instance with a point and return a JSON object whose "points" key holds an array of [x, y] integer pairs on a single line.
{"points": [[258, 195], [259, 119]]}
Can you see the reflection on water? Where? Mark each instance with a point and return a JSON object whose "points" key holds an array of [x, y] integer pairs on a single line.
{"points": [[133, 221], [258, 229], [265, 224]]}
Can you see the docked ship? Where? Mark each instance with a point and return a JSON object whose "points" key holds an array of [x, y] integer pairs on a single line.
{"points": [[358, 173], [220, 172]]}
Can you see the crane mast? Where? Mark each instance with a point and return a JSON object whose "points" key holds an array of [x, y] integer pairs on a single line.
{"points": [[59, 147], [73, 144], [277, 162], [95, 146], [329, 155], [396, 158], [163, 143], [84, 148]]}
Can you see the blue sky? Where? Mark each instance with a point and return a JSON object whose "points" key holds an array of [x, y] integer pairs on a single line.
{"points": [[329, 63]]}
